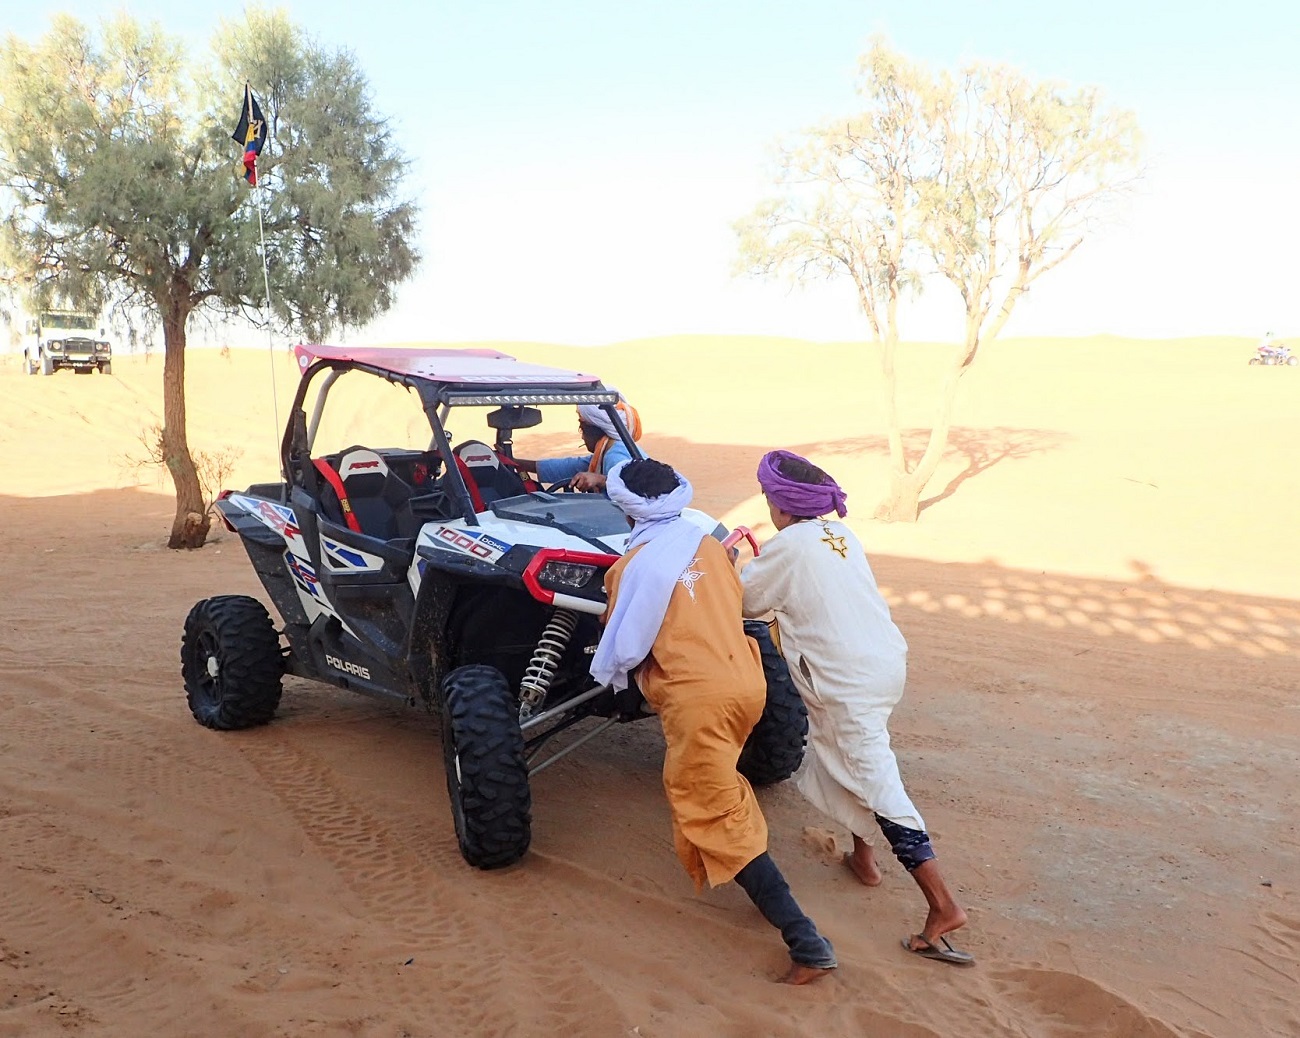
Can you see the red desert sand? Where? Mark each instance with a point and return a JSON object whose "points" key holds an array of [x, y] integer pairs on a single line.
{"points": [[1102, 729]]}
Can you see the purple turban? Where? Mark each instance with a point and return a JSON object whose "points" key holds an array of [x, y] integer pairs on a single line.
{"points": [[789, 495]]}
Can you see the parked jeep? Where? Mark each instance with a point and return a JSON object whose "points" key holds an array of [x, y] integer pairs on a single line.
{"points": [[434, 572], [66, 339]]}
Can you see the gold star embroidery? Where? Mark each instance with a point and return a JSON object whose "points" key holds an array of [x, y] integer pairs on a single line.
{"points": [[836, 544]]}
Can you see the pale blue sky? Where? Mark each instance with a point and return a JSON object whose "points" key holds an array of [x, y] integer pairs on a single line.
{"points": [[579, 164]]}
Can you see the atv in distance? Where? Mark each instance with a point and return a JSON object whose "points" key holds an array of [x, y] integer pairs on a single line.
{"points": [[433, 572]]}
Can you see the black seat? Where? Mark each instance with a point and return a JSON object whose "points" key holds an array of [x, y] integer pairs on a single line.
{"points": [[377, 499], [486, 476]]}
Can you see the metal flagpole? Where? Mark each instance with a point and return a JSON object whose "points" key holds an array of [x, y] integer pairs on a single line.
{"points": [[266, 277], [270, 341]]}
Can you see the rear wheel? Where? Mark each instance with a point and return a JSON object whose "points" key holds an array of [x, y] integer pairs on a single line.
{"points": [[775, 748], [1254, 360], [487, 776], [231, 662]]}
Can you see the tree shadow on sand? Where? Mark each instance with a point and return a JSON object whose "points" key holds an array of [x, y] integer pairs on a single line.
{"points": [[977, 450], [731, 468]]}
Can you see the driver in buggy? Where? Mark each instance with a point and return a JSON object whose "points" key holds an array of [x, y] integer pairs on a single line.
{"points": [[587, 472]]}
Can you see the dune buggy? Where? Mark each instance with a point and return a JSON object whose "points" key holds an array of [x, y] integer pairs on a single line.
{"points": [[434, 572]]}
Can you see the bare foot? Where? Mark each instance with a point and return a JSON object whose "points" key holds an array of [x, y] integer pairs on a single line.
{"points": [[945, 914], [801, 975], [941, 921], [861, 861]]}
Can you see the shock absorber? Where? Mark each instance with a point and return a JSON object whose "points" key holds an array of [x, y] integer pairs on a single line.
{"points": [[540, 671]]}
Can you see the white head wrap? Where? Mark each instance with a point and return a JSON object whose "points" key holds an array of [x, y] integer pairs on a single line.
{"points": [[594, 414], [671, 545]]}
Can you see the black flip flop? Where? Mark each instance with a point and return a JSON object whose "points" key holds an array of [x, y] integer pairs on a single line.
{"points": [[946, 953]]}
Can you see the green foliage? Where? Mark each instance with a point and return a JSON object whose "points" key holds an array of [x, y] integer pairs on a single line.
{"points": [[119, 186], [120, 177], [986, 179]]}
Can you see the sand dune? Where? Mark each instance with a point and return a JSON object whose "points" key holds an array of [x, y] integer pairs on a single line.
{"points": [[1101, 728]]}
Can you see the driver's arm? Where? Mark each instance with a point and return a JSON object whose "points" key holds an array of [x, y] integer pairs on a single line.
{"points": [[560, 470], [588, 481]]}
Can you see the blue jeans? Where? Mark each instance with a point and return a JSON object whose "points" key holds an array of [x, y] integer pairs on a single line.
{"points": [[769, 891]]}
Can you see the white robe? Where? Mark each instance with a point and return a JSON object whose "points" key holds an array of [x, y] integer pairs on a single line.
{"points": [[848, 661]]}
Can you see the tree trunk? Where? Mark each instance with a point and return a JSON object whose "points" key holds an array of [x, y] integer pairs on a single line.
{"points": [[903, 505], [190, 527], [894, 507]]}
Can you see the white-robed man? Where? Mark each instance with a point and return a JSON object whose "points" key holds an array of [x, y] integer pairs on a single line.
{"points": [[849, 662], [674, 620]]}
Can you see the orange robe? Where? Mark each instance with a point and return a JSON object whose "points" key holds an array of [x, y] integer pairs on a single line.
{"points": [[704, 677]]}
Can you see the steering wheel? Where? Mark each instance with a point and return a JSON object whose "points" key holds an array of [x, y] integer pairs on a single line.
{"points": [[562, 487]]}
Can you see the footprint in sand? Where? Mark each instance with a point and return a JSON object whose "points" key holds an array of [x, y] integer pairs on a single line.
{"points": [[822, 842]]}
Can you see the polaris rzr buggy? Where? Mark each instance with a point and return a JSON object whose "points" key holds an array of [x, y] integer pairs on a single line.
{"points": [[436, 573]]}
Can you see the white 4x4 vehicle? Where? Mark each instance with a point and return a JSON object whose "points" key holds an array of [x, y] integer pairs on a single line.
{"points": [[67, 339], [436, 574]]}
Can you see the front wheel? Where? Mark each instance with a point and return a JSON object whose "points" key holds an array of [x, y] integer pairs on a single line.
{"points": [[106, 368], [775, 748], [487, 776], [231, 662], [1291, 362]]}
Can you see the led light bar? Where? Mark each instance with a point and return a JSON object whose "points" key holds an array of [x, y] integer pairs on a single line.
{"points": [[591, 396]]}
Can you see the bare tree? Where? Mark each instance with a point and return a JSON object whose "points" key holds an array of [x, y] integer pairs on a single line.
{"points": [[987, 180]]}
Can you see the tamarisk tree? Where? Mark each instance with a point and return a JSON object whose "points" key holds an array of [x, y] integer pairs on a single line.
{"points": [[121, 187], [985, 180]]}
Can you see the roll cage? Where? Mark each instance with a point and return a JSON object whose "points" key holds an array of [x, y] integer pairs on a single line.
{"points": [[493, 380]]}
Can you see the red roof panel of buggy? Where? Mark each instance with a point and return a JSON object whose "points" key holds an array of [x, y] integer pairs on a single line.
{"points": [[468, 366]]}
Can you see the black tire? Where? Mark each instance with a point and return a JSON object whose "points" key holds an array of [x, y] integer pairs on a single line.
{"points": [[106, 368], [487, 776], [231, 662], [47, 366], [1254, 360], [775, 748]]}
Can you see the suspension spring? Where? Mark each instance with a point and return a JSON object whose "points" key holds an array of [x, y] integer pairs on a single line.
{"points": [[540, 671]]}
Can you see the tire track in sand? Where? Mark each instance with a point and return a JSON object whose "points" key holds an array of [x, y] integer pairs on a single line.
{"points": [[409, 890]]}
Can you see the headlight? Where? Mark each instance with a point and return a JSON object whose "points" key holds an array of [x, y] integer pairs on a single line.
{"points": [[573, 576], [566, 574], [56, 345], [101, 347]]}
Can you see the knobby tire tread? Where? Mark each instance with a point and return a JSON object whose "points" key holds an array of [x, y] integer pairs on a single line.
{"points": [[251, 662]]}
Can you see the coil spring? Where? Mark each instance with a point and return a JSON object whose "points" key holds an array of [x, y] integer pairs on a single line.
{"points": [[541, 669]]}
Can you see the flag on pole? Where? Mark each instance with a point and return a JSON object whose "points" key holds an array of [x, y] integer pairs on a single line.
{"points": [[250, 134]]}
